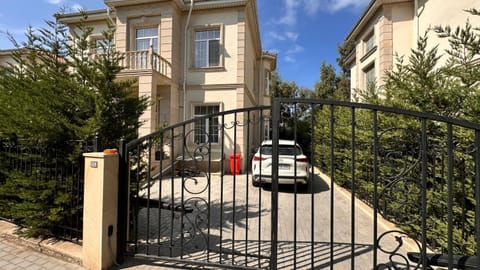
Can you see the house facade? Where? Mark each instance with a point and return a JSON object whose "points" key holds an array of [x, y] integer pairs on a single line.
{"points": [[191, 58], [6, 57], [392, 27]]}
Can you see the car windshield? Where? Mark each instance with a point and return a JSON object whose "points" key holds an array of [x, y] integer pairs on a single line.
{"points": [[283, 150]]}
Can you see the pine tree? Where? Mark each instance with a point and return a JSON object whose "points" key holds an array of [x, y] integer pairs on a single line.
{"points": [[326, 87], [117, 107], [417, 83], [42, 114], [56, 92]]}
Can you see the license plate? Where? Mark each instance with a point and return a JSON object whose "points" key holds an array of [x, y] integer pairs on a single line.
{"points": [[283, 166]]}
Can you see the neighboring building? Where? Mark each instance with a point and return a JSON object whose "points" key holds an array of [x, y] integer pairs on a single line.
{"points": [[389, 27], [6, 56], [225, 66]]}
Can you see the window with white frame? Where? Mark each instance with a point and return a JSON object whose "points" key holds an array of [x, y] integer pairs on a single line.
{"points": [[207, 48], [206, 130], [146, 37]]}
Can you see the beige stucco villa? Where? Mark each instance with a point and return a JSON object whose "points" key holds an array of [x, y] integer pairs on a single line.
{"points": [[216, 52], [190, 58], [389, 27]]}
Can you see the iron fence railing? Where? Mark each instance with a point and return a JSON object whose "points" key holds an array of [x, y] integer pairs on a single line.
{"points": [[387, 189], [416, 173], [183, 202], [55, 176]]}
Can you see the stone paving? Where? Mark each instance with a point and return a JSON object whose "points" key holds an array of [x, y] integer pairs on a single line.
{"points": [[13, 256], [241, 243]]}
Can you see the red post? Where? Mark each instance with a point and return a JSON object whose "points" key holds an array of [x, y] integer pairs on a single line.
{"points": [[235, 164]]}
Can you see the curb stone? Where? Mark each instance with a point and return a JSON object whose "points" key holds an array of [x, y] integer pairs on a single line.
{"points": [[9, 232]]}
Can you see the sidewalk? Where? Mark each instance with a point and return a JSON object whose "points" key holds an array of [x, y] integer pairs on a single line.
{"points": [[27, 253]]}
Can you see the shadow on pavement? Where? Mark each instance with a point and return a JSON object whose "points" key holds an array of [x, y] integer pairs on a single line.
{"points": [[316, 186], [299, 255]]}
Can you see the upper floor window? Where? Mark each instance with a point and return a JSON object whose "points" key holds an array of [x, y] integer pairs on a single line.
{"points": [[369, 42], [146, 37], [206, 129], [207, 48]]}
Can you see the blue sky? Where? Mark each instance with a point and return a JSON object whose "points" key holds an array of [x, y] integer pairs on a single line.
{"points": [[303, 32]]}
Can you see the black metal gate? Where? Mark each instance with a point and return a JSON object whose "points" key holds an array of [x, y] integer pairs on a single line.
{"points": [[387, 189]]}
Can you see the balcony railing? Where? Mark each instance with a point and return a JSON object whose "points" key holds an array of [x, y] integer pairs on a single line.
{"points": [[146, 60]]}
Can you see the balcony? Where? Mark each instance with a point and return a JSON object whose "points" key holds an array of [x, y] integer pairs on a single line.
{"points": [[146, 61]]}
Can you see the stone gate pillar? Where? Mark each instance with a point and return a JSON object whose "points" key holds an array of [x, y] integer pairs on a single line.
{"points": [[100, 210]]}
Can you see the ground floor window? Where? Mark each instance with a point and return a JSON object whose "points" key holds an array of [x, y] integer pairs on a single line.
{"points": [[206, 129]]}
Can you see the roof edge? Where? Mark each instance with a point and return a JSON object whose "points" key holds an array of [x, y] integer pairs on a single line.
{"points": [[367, 14], [93, 15]]}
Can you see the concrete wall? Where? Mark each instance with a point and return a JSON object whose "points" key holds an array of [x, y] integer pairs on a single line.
{"points": [[437, 12], [147, 87], [363, 60], [6, 57], [402, 25], [392, 27], [147, 15], [227, 21], [98, 28]]}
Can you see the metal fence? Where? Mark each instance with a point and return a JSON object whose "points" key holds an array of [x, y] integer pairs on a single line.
{"points": [[387, 189], [403, 188], [41, 175], [179, 199]]}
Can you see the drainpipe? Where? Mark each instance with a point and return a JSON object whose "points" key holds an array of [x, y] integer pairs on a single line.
{"points": [[261, 79], [417, 23], [185, 63]]}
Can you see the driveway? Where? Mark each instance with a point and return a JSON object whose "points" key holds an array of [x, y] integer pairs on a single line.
{"points": [[239, 227]]}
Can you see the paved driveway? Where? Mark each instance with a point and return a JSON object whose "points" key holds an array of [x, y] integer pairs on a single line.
{"points": [[240, 225]]}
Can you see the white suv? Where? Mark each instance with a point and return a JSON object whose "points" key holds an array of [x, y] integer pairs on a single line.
{"points": [[293, 165]]}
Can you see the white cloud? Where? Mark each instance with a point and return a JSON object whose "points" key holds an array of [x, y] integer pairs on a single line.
{"points": [[295, 49], [289, 59], [290, 36], [311, 6], [55, 2], [276, 36], [285, 32], [77, 7], [336, 5], [292, 8]]}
